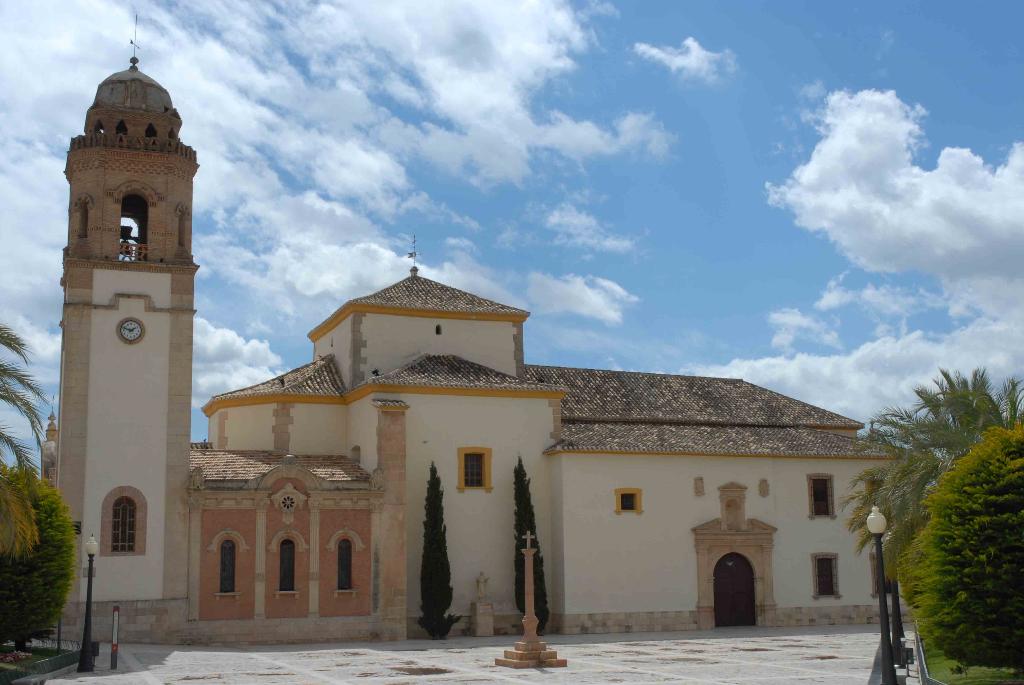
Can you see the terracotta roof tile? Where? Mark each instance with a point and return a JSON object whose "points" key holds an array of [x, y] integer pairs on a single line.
{"points": [[450, 371], [630, 396], [248, 464], [710, 439], [417, 292], [319, 377]]}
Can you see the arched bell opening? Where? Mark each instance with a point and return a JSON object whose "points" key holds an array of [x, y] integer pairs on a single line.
{"points": [[134, 228], [98, 127], [121, 129], [151, 131]]}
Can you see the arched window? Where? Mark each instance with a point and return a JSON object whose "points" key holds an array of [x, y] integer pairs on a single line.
{"points": [[134, 219], [122, 531], [151, 131], [286, 580], [227, 566], [83, 220], [98, 128], [345, 564], [437, 329], [122, 128]]}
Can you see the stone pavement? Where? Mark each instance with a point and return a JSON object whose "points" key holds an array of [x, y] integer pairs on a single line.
{"points": [[840, 655]]}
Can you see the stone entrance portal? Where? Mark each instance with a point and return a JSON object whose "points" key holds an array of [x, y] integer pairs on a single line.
{"points": [[734, 536], [734, 591]]}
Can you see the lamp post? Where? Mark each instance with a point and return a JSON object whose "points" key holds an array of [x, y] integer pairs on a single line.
{"points": [[85, 659], [899, 656], [876, 526]]}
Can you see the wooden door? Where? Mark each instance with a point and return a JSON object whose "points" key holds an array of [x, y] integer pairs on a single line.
{"points": [[734, 591]]}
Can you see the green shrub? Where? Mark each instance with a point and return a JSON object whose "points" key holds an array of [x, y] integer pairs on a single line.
{"points": [[33, 588], [969, 587]]}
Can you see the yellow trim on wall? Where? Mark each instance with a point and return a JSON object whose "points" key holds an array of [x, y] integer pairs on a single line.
{"points": [[341, 314], [486, 451], [359, 393], [638, 500]]}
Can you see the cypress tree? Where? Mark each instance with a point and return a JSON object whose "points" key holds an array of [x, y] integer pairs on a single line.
{"points": [[525, 520], [435, 571]]}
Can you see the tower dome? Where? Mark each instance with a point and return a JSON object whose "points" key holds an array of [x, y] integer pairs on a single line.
{"points": [[133, 90]]}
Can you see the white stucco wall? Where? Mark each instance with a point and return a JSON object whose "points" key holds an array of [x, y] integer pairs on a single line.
{"points": [[392, 341], [250, 427], [479, 523], [338, 341], [648, 562], [319, 429], [126, 441], [362, 432]]}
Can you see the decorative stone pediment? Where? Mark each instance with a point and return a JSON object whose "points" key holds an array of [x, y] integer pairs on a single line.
{"points": [[288, 470], [288, 500], [715, 527]]}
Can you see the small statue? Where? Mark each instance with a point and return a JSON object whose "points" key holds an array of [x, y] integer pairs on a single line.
{"points": [[377, 479], [481, 587]]}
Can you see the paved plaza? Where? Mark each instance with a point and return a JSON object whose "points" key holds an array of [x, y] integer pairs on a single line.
{"points": [[841, 655]]}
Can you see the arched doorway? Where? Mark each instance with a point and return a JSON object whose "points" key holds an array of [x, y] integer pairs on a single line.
{"points": [[734, 591]]}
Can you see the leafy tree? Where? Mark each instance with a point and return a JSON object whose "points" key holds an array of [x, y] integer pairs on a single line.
{"points": [[970, 602], [21, 393], [435, 571], [525, 520], [925, 441], [33, 587]]}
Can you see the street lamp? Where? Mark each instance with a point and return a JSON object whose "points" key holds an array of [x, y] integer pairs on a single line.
{"points": [[85, 659], [876, 525]]}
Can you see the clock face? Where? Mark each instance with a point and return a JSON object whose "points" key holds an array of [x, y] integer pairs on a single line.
{"points": [[130, 330]]}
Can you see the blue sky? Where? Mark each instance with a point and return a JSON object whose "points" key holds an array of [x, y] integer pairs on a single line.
{"points": [[823, 198]]}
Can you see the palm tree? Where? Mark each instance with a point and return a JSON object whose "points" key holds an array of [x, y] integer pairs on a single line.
{"points": [[925, 440], [19, 391]]}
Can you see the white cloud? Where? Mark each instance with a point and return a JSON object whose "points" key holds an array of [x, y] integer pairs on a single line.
{"points": [[880, 300], [690, 60], [589, 296], [962, 221], [223, 360], [791, 325], [575, 227], [883, 372]]}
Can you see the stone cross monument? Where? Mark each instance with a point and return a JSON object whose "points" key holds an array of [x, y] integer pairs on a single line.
{"points": [[530, 652]]}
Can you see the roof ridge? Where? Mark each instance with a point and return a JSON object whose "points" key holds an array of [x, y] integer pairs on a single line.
{"points": [[637, 373]]}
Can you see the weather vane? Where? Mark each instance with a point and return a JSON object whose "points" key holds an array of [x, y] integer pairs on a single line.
{"points": [[414, 254], [134, 42]]}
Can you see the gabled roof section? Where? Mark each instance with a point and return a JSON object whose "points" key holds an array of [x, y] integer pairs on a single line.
{"points": [[444, 371], [419, 296], [675, 438], [244, 465], [600, 395], [319, 378]]}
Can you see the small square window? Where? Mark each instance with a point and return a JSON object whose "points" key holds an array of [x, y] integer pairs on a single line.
{"points": [[628, 500], [473, 474]]}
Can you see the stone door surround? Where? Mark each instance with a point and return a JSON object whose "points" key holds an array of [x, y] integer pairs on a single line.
{"points": [[734, 532]]}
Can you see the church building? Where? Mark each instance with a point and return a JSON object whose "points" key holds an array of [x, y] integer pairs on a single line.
{"points": [[663, 502]]}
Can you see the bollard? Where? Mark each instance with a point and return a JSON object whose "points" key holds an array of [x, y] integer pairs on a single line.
{"points": [[113, 640]]}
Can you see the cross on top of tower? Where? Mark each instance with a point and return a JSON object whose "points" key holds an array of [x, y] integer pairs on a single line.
{"points": [[529, 537]]}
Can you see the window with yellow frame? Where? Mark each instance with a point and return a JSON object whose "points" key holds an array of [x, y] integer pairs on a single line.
{"points": [[629, 501], [475, 469]]}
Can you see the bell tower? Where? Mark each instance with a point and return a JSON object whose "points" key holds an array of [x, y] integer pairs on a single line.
{"points": [[126, 356]]}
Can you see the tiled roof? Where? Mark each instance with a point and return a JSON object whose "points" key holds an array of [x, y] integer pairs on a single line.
{"points": [[417, 292], [319, 377], [450, 371], [248, 464], [630, 396], [709, 439]]}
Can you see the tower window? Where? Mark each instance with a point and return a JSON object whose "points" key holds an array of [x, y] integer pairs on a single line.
{"points": [[151, 131], [122, 532], [122, 128], [83, 220], [437, 329], [98, 128]]}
